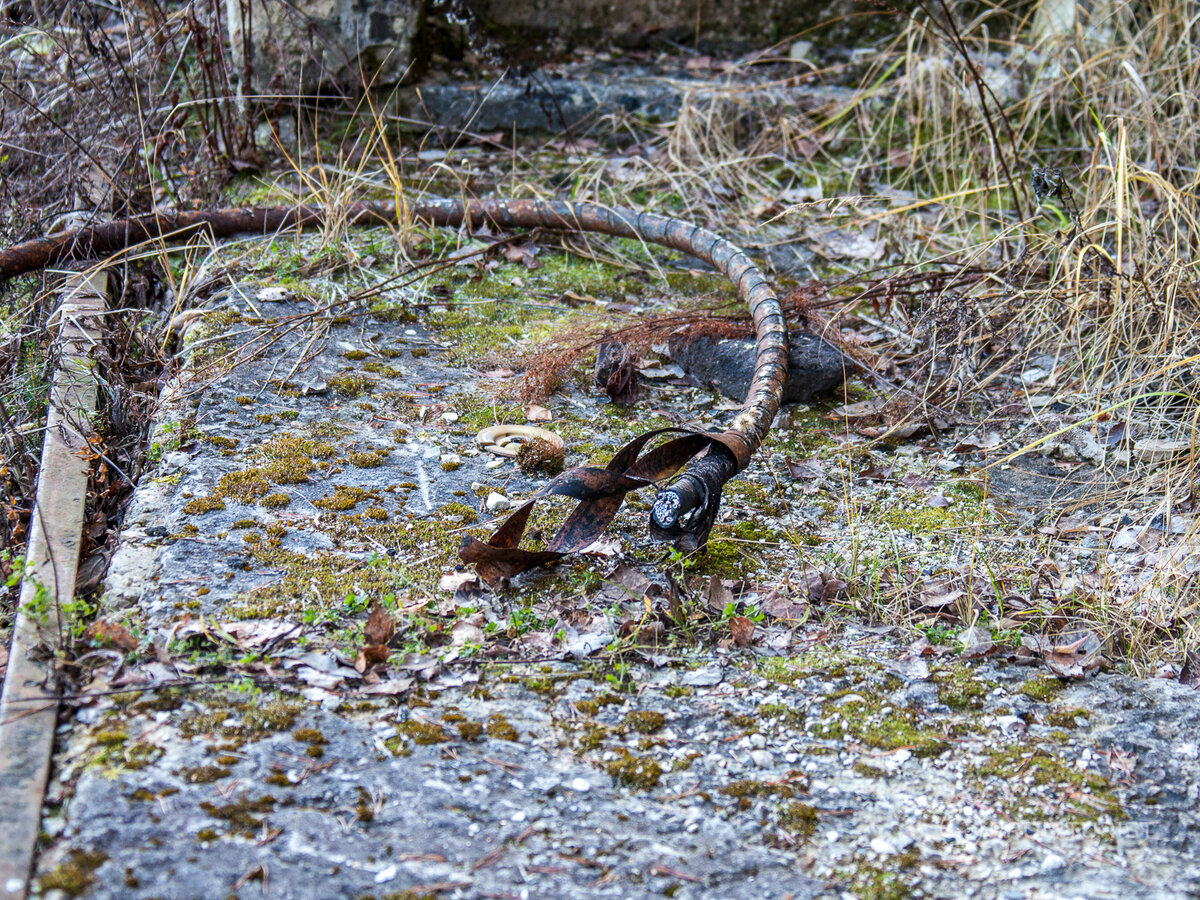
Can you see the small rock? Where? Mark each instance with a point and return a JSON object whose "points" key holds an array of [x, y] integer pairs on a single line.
{"points": [[764, 759], [883, 847], [814, 365], [497, 502], [1152, 450], [758, 741], [580, 784]]}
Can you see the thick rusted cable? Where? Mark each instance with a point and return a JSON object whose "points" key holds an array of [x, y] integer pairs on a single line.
{"points": [[686, 508]]}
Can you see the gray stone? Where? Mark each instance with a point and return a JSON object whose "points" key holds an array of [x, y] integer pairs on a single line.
{"points": [[580, 95], [633, 22], [313, 45], [815, 366]]}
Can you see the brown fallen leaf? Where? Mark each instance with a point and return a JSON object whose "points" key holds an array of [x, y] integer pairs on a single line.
{"points": [[109, 634], [781, 606], [742, 629], [369, 656], [806, 469], [380, 626], [717, 595], [525, 254], [1069, 656], [535, 413]]}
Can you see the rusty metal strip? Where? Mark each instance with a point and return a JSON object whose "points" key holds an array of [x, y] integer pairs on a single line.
{"points": [[29, 703], [684, 510]]}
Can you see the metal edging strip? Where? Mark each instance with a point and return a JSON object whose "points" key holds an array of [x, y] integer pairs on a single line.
{"points": [[29, 702]]}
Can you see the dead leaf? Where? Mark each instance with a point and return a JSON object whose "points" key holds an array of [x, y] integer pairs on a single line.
{"points": [[717, 595], [255, 634], [455, 581], [389, 686], [805, 470], [742, 629], [467, 631], [910, 669], [380, 626], [498, 374], [976, 642], [109, 634], [1070, 656], [781, 606], [525, 254], [840, 243], [917, 482], [616, 372], [535, 413], [633, 579]]}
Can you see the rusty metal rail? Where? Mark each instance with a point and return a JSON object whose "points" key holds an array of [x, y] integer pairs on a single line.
{"points": [[29, 702]]}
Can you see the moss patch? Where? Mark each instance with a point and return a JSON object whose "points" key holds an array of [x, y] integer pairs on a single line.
{"points": [[75, 875]]}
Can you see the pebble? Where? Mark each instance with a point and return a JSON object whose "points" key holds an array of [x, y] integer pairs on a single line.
{"points": [[764, 759], [497, 502]]}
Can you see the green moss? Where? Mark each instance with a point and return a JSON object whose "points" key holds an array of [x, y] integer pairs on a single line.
{"points": [[822, 663], [1035, 775], [202, 774], [206, 835], [644, 721], [368, 460], [422, 733], [276, 500], [871, 883], [868, 771], [539, 685], [640, 772], [241, 815], [112, 738], [470, 731], [921, 519], [499, 727], [592, 737], [1065, 717], [354, 355], [219, 440], [959, 689], [201, 505], [309, 736], [748, 787], [344, 497], [351, 384], [236, 718], [75, 875], [278, 779], [675, 691], [801, 819], [1042, 688]]}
